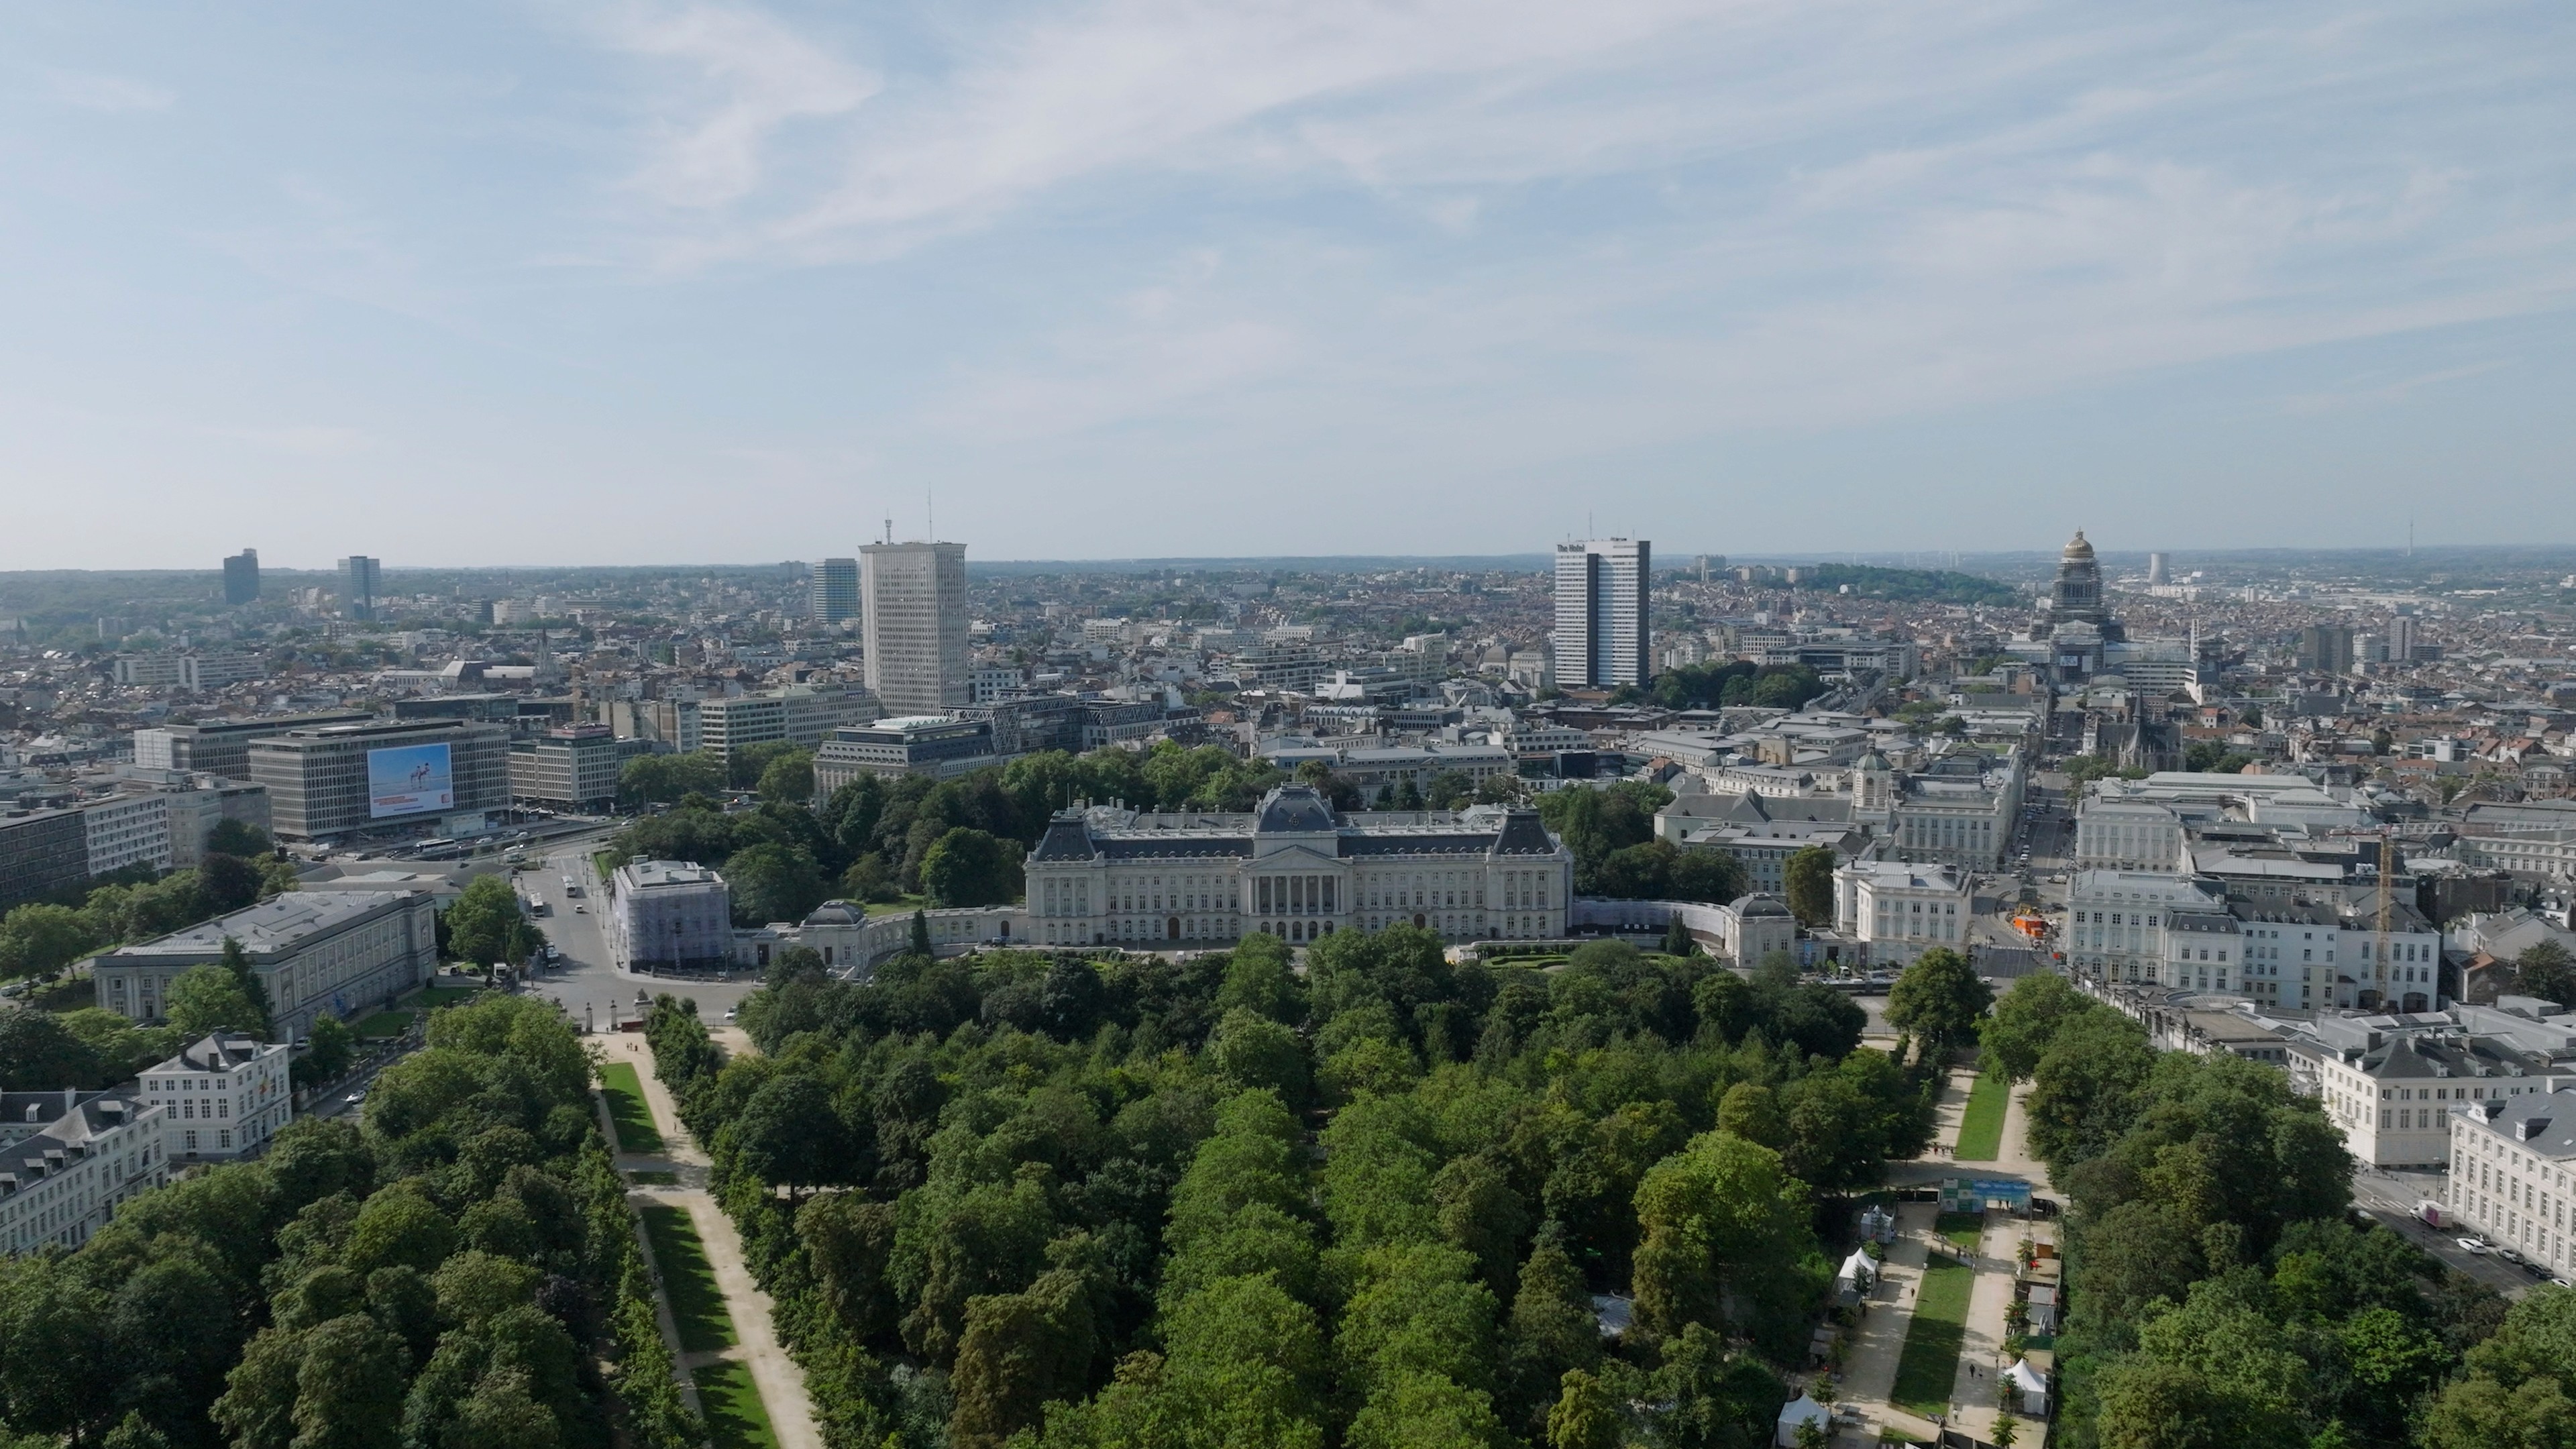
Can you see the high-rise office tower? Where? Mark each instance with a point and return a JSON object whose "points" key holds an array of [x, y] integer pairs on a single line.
{"points": [[2401, 639], [241, 577], [836, 590], [2326, 648], [1602, 636], [912, 622], [360, 577]]}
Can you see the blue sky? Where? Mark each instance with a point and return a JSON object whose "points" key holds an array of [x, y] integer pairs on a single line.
{"points": [[487, 282]]}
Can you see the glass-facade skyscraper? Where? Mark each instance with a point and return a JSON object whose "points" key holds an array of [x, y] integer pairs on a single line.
{"points": [[913, 624], [836, 590], [1602, 636]]}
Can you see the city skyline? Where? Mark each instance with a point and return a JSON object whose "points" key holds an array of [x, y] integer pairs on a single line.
{"points": [[589, 277]]}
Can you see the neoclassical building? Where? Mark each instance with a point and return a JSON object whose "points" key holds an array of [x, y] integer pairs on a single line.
{"points": [[1292, 868]]}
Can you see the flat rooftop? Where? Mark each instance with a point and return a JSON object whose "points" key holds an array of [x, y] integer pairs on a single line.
{"points": [[647, 874], [280, 923]]}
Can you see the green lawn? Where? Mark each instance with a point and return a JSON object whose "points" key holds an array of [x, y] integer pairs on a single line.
{"points": [[1981, 1126], [906, 906], [1930, 1362], [697, 1305], [647, 1178], [628, 1109], [736, 1419], [433, 997], [382, 1025], [73, 993], [1965, 1230]]}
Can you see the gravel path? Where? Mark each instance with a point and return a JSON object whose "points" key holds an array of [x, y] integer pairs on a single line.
{"points": [[780, 1381]]}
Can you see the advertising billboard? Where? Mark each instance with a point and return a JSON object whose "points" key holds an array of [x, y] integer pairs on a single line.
{"points": [[409, 780]]}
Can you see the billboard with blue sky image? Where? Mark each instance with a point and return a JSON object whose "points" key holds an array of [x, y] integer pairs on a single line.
{"points": [[409, 780]]}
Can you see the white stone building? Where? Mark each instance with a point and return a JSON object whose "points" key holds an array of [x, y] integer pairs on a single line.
{"points": [[668, 915], [2390, 1082], [2127, 835], [1959, 809], [335, 952], [220, 1096], [2117, 922], [1294, 869], [1900, 910], [2511, 1156], [67, 1158]]}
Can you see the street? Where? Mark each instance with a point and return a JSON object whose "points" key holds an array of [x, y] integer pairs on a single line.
{"points": [[583, 982], [2390, 1197]]}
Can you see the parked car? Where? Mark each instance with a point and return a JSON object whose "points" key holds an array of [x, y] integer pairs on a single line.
{"points": [[2471, 1245]]}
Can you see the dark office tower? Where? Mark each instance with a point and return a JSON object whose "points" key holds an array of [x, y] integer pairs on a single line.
{"points": [[360, 577], [836, 590], [2326, 648], [241, 577]]}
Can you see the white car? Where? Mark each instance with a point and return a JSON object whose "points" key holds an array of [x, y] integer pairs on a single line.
{"points": [[728, 1014], [2471, 1245]]}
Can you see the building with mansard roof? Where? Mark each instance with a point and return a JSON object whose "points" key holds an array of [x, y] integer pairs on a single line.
{"points": [[1296, 869]]}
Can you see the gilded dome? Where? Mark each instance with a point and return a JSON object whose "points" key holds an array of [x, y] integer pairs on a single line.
{"points": [[2077, 548]]}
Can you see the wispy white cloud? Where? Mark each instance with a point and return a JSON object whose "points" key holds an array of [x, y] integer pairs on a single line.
{"points": [[737, 76], [94, 91]]}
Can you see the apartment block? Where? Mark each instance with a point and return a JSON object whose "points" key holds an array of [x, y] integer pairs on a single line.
{"points": [[41, 852], [574, 767], [2511, 1156], [127, 830], [221, 1096], [68, 1157]]}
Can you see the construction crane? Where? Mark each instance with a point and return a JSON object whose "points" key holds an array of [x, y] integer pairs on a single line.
{"points": [[2387, 902]]}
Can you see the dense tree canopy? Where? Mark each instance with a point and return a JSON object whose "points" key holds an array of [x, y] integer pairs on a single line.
{"points": [[1808, 877], [437, 1276], [2222, 1292], [1939, 998], [1111, 1200], [487, 926]]}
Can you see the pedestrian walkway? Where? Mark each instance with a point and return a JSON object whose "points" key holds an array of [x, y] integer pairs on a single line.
{"points": [[1877, 1345], [2015, 1159], [780, 1382], [1869, 1363]]}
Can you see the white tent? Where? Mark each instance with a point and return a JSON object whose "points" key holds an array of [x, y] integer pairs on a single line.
{"points": [[2032, 1387], [1858, 1269], [1800, 1410], [1877, 1226]]}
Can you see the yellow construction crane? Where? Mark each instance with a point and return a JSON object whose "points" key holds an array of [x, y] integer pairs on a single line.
{"points": [[2387, 899]]}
